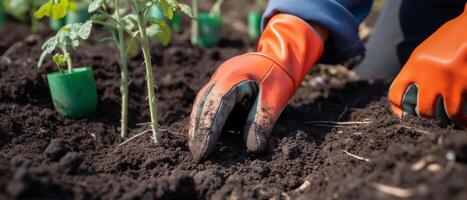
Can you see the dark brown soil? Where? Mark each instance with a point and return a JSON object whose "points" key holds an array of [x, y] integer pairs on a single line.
{"points": [[45, 155]]}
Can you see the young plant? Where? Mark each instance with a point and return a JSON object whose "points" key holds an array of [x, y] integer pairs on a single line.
{"points": [[73, 90], [70, 36], [113, 21], [141, 27], [21, 9]]}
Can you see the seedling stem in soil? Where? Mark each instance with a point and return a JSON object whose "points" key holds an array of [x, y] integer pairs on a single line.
{"points": [[161, 32], [123, 73], [194, 23]]}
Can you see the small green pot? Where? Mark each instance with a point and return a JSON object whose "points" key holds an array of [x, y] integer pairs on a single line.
{"points": [[209, 29], [74, 94], [2, 15], [80, 15], [57, 24], [254, 25], [175, 24]]}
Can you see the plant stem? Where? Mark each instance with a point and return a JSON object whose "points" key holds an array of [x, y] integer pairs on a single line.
{"points": [[34, 24], [216, 8], [149, 77], [194, 23], [123, 74], [68, 59]]}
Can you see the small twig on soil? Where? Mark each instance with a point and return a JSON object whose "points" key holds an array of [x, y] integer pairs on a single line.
{"points": [[399, 192], [285, 195], [173, 132], [135, 136], [338, 123], [415, 129], [12, 49], [357, 157], [434, 167], [143, 124], [422, 163], [303, 187], [347, 109]]}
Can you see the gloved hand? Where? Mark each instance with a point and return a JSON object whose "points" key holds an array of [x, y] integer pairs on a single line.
{"points": [[433, 83], [287, 50]]}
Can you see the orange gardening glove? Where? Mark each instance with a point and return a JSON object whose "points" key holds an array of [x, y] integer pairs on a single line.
{"points": [[433, 83], [288, 48]]}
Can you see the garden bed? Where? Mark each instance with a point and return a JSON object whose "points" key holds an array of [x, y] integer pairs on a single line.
{"points": [[375, 156]]}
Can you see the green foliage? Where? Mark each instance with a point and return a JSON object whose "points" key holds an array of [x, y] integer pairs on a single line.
{"points": [[69, 36], [157, 30], [60, 60], [20, 9]]}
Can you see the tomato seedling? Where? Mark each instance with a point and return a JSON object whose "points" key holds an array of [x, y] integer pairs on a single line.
{"points": [[113, 21], [73, 90], [161, 32], [140, 27]]}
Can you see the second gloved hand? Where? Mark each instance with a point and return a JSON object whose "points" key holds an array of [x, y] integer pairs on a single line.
{"points": [[287, 50]]}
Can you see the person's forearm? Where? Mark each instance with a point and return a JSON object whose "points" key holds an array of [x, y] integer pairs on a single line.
{"points": [[340, 17]]}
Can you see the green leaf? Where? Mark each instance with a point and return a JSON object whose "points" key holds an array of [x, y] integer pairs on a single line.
{"points": [[130, 22], [186, 9], [59, 60], [85, 30], [55, 8], [159, 31], [166, 9], [132, 48], [44, 10], [94, 5], [50, 45], [41, 59]]}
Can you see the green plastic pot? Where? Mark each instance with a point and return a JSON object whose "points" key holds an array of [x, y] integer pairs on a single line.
{"points": [[80, 15], [209, 29], [254, 25], [74, 94], [175, 24], [2, 15], [57, 24]]}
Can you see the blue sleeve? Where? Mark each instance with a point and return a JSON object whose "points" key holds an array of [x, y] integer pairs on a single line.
{"points": [[340, 17]]}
